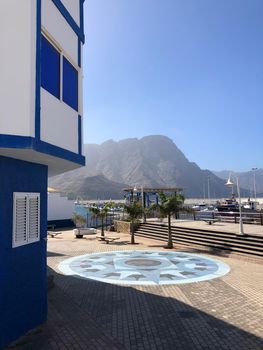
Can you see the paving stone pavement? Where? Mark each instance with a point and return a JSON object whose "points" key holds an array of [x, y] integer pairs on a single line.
{"points": [[223, 313]]}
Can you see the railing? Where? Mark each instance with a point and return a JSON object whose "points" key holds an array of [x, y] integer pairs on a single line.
{"points": [[93, 221], [247, 217]]}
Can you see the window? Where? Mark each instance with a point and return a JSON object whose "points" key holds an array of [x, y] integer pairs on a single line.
{"points": [[55, 65], [70, 84], [50, 68], [26, 218]]}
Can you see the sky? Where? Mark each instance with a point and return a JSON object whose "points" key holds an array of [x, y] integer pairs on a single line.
{"points": [[188, 69]]}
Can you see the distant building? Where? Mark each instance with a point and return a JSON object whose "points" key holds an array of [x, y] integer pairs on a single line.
{"points": [[60, 209], [40, 135]]}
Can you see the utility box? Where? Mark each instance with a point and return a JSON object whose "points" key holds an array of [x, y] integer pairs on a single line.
{"points": [[40, 135]]}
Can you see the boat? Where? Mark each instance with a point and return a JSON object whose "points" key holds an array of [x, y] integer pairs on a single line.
{"points": [[232, 205]]}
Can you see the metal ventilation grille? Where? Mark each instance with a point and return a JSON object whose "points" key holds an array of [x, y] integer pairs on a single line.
{"points": [[19, 235], [33, 217], [26, 218]]}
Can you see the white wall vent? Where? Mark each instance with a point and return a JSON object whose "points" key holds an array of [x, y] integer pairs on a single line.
{"points": [[26, 218]]}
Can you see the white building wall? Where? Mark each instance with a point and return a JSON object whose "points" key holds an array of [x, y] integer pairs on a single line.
{"points": [[59, 30], [17, 68], [59, 122], [73, 8], [59, 208]]}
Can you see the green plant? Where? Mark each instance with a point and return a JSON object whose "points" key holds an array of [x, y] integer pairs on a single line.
{"points": [[134, 211], [79, 220], [101, 213], [168, 206]]}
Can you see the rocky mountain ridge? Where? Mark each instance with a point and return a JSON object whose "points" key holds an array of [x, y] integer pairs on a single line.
{"points": [[152, 161]]}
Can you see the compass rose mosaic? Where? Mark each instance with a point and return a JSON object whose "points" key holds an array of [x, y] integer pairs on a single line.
{"points": [[144, 267]]}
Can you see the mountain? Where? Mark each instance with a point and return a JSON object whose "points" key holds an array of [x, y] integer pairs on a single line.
{"points": [[152, 161], [246, 179], [91, 187]]}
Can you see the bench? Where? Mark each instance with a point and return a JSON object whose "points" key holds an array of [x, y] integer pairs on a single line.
{"points": [[209, 221], [80, 232], [107, 239], [53, 233]]}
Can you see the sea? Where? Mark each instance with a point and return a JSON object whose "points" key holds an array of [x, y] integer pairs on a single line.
{"points": [[92, 221]]}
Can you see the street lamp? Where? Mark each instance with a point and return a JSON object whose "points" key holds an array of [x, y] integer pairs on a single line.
{"points": [[208, 189], [255, 193], [231, 184]]}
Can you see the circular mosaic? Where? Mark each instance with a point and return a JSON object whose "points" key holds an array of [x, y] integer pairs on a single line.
{"points": [[144, 267]]}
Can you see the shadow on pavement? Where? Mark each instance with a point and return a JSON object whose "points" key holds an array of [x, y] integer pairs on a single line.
{"points": [[85, 314]]}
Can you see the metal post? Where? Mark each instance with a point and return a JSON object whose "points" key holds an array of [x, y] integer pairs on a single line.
{"points": [[143, 214], [241, 229], [255, 192], [208, 189]]}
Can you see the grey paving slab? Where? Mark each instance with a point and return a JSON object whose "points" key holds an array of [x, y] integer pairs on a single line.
{"points": [[223, 313]]}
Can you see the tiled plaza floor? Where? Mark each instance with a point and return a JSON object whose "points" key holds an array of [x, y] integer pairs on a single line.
{"points": [[222, 313]]}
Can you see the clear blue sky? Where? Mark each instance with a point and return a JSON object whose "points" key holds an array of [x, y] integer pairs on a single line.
{"points": [[188, 69]]}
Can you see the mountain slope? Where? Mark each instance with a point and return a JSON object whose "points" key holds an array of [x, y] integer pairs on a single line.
{"points": [[246, 179], [151, 161], [91, 187]]}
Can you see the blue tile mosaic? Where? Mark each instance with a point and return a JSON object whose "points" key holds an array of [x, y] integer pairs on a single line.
{"points": [[144, 267]]}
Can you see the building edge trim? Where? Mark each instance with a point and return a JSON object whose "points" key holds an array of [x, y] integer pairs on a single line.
{"points": [[80, 134], [79, 53], [27, 142], [38, 70], [70, 20]]}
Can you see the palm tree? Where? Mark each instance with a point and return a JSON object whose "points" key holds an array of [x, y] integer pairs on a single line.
{"points": [[101, 213], [79, 220], [134, 211], [168, 206]]}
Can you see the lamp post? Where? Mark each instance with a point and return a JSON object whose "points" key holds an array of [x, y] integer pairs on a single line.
{"points": [[208, 189], [255, 192], [231, 184]]}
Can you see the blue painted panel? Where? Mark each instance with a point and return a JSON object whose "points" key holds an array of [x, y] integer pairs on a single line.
{"points": [[70, 84], [50, 68], [61, 223], [23, 301], [15, 141]]}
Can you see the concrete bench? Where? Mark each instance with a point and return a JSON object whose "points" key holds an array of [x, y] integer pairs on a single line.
{"points": [[209, 221], [53, 233], [80, 232], [107, 239]]}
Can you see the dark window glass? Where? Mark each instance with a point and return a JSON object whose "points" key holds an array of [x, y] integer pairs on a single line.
{"points": [[70, 84], [50, 68]]}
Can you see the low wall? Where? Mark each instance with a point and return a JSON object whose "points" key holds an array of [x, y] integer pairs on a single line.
{"points": [[124, 226]]}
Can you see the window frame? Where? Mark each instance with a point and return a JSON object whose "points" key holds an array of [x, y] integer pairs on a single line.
{"points": [[65, 62], [58, 52], [63, 54]]}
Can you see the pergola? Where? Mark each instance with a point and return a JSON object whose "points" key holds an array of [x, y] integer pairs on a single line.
{"points": [[153, 189], [145, 192]]}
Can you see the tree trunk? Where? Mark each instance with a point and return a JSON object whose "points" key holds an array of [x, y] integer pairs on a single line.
{"points": [[132, 233], [170, 240], [102, 227]]}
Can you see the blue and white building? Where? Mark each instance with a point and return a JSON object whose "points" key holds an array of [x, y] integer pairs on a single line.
{"points": [[40, 135]]}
